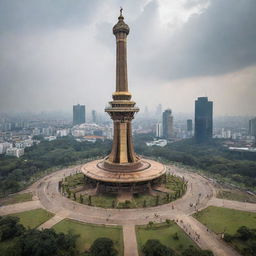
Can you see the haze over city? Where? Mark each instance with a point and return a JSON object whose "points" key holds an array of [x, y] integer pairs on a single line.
{"points": [[55, 54]]}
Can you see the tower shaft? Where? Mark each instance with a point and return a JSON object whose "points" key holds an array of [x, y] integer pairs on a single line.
{"points": [[122, 109]]}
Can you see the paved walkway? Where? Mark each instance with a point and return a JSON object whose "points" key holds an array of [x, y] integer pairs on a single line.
{"points": [[130, 241], [51, 222], [200, 194], [20, 207], [203, 237]]}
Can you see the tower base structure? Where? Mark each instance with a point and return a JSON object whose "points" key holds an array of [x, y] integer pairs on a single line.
{"points": [[123, 178]]}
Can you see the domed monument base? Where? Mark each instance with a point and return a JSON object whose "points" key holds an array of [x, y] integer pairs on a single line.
{"points": [[124, 178]]}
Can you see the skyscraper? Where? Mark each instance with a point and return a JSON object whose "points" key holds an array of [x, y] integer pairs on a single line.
{"points": [[94, 117], [78, 114], [189, 125], [252, 127], [203, 119], [167, 124], [159, 130]]}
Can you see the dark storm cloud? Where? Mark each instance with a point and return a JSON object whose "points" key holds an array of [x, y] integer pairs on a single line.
{"points": [[220, 40], [33, 14]]}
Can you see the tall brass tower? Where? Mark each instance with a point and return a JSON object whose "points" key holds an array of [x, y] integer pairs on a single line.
{"points": [[122, 109], [122, 169]]}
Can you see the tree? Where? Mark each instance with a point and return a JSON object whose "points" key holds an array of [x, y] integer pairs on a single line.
{"points": [[150, 224], [10, 227], [168, 221], [157, 200], [103, 247], [192, 251], [227, 237], [89, 200], [81, 199], [155, 248], [244, 233]]}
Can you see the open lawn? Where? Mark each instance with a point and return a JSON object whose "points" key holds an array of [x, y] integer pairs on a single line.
{"points": [[16, 198], [236, 195], [221, 220], [33, 218], [88, 233], [165, 234]]}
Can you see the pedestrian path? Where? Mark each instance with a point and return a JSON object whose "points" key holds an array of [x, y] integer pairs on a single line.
{"points": [[51, 222], [130, 241]]}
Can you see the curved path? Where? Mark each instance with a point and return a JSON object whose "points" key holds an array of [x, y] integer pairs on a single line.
{"points": [[200, 194]]}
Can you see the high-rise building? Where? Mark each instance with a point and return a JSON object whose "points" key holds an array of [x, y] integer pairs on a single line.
{"points": [[167, 124], [78, 114], [189, 125], [203, 119], [94, 117], [252, 129], [159, 130]]}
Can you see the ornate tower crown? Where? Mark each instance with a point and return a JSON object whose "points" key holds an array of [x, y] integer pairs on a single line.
{"points": [[121, 26]]}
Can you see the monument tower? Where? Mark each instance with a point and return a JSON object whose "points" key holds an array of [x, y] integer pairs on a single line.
{"points": [[122, 109], [122, 169]]}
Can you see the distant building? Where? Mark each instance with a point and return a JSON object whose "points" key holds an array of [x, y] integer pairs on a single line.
{"points": [[159, 130], [17, 152], [189, 125], [94, 117], [252, 127], [78, 114], [160, 143], [167, 121], [4, 146], [203, 119]]}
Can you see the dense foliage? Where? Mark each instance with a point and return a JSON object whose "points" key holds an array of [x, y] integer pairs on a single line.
{"points": [[103, 247], [246, 237], [192, 251], [35, 242], [155, 248], [212, 157], [10, 228], [15, 173]]}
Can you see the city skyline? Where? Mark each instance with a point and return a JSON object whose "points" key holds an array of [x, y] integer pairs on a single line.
{"points": [[43, 61]]}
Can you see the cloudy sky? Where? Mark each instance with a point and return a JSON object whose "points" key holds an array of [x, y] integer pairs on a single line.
{"points": [[55, 53]]}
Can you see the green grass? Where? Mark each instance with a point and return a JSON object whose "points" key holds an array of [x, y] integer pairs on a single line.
{"points": [[175, 185], [33, 218], [220, 219], [104, 201], [88, 233], [236, 195], [5, 245], [164, 233], [75, 180], [16, 198]]}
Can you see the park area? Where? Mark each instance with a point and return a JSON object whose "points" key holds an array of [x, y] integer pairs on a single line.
{"points": [[88, 233], [224, 220], [16, 198], [170, 235], [238, 227]]}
